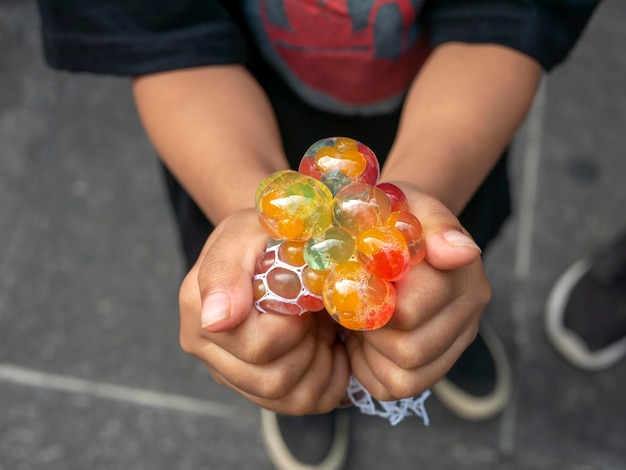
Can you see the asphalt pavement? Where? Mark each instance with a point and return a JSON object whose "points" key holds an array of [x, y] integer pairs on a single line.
{"points": [[91, 372]]}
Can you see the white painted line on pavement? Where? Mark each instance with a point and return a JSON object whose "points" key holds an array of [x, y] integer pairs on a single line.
{"points": [[138, 396], [528, 192], [531, 157]]}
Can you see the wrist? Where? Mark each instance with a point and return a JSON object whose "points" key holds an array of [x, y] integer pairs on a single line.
{"points": [[445, 179]]}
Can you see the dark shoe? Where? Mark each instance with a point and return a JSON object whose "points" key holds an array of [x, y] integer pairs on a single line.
{"points": [[479, 384], [585, 317], [311, 442]]}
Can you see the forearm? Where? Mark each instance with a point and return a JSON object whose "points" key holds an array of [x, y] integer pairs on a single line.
{"points": [[215, 130], [461, 112]]}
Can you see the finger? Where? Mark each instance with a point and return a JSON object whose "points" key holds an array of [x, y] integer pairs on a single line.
{"points": [[263, 337], [450, 248], [448, 245], [260, 338], [422, 293], [318, 390], [226, 269], [386, 381], [412, 349], [271, 380], [426, 291]]}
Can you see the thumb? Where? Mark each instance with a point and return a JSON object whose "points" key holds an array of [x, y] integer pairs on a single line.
{"points": [[449, 247], [226, 268], [448, 244]]}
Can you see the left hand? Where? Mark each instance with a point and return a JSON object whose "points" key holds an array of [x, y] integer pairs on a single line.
{"points": [[439, 304]]}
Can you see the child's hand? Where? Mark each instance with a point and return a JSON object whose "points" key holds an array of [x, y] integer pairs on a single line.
{"points": [[292, 365], [437, 314]]}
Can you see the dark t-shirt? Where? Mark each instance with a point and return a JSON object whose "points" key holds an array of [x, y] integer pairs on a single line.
{"points": [[342, 56]]}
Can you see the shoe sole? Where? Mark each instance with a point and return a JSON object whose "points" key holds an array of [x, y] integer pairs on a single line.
{"points": [[283, 459], [567, 343], [472, 407]]}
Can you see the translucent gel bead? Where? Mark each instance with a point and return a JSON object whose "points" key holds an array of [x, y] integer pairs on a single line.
{"points": [[360, 206], [313, 280], [372, 170], [396, 196], [294, 206], [278, 284], [291, 252], [267, 182], [339, 161], [331, 248], [411, 228], [311, 303], [265, 262], [258, 289], [384, 252], [284, 282], [309, 167], [279, 306], [356, 298]]}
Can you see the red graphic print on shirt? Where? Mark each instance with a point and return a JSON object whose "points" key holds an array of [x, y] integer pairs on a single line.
{"points": [[356, 52]]}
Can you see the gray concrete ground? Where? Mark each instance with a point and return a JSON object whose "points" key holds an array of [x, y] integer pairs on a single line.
{"points": [[91, 374]]}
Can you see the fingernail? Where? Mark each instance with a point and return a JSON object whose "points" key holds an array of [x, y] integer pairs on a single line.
{"points": [[458, 239], [215, 308]]}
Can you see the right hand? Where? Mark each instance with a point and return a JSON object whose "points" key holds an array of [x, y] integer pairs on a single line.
{"points": [[290, 365]]}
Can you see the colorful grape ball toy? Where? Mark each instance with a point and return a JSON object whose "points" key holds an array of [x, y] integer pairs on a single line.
{"points": [[338, 239]]}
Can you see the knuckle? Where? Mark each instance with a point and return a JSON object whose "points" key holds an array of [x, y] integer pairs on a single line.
{"points": [[305, 403], [275, 386], [486, 295], [187, 294], [408, 355], [303, 408], [402, 385], [481, 293], [185, 344], [472, 333], [188, 301], [254, 352], [257, 349], [382, 393]]}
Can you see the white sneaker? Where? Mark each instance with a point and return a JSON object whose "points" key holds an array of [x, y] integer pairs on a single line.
{"points": [[479, 384], [313, 442], [585, 316]]}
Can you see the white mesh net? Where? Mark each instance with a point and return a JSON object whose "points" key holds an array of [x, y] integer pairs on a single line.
{"points": [[395, 411]]}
